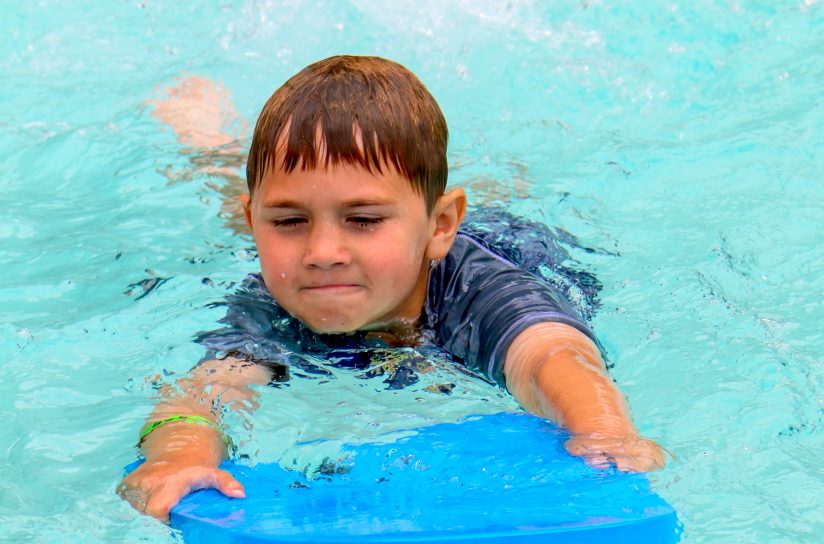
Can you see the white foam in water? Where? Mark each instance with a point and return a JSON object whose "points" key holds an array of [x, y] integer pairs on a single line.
{"points": [[680, 141]]}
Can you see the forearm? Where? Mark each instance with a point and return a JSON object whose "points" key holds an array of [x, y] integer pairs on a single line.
{"points": [[555, 371], [185, 442], [578, 394], [562, 377], [189, 414]]}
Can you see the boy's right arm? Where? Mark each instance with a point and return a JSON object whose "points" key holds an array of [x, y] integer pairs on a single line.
{"points": [[182, 456]]}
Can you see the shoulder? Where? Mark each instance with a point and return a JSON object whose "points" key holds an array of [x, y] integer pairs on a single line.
{"points": [[451, 280], [541, 250], [479, 300], [473, 272]]}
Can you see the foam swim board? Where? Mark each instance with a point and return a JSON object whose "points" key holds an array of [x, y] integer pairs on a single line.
{"points": [[488, 479]]}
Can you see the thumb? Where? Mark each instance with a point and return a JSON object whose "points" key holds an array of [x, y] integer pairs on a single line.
{"points": [[227, 485]]}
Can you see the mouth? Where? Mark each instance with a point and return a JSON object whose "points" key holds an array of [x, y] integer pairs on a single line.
{"points": [[332, 288]]}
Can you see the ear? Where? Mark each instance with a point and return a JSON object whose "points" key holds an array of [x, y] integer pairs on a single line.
{"points": [[444, 221], [246, 202]]}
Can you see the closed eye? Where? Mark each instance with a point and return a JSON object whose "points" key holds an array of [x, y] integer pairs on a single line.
{"points": [[365, 221], [288, 222]]}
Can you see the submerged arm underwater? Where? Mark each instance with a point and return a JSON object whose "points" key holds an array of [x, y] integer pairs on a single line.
{"points": [[556, 372], [183, 454]]}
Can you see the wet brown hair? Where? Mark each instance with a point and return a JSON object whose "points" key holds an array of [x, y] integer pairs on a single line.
{"points": [[362, 111]]}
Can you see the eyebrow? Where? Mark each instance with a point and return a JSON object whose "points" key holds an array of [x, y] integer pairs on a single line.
{"points": [[359, 203], [280, 204]]}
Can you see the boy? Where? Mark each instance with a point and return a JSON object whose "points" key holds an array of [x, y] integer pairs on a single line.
{"points": [[358, 242]]}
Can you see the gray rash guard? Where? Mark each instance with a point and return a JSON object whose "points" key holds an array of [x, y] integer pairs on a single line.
{"points": [[478, 301]]}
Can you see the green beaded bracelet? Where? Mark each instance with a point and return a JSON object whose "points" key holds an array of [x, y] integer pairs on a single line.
{"points": [[199, 420]]}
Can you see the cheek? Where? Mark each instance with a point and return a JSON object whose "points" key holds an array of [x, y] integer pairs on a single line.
{"points": [[399, 263], [274, 260]]}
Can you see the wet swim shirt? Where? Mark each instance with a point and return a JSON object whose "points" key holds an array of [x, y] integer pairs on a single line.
{"points": [[478, 302]]}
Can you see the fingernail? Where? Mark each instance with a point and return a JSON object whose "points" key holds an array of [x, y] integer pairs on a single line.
{"points": [[237, 492]]}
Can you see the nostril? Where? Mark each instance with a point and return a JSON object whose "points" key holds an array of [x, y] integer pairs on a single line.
{"points": [[325, 251]]}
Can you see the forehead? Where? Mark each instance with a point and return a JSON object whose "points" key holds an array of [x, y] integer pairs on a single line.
{"points": [[337, 183]]}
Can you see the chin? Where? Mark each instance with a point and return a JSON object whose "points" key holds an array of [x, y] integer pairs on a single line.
{"points": [[330, 326]]}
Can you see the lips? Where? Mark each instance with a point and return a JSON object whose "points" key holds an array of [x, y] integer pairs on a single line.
{"points": [[332, 288]]}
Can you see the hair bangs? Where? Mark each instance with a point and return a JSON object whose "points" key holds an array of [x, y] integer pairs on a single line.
{"points": [[361, 111]]}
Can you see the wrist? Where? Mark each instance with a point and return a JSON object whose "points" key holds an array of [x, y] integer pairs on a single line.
{"points": [[605, 430], [185, 458], [187, 443]]}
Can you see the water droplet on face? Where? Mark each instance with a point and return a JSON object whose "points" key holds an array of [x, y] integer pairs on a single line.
{"points": [[283, 275]]}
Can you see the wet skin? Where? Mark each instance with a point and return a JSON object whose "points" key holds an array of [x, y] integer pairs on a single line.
{"points": [[344, 249]]}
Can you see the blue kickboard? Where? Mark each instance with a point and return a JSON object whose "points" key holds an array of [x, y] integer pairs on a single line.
{"points": [[488, 479]]}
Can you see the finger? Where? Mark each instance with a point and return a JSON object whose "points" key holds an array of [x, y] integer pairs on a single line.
{"points": [[575, 447], [597, 461], [644, 461], [230, 487], [584, 446], [174, 488], [660, 457], [135, 496], [649, 456], [635, 464], [212, 478], [160, 503], [166, 496]]}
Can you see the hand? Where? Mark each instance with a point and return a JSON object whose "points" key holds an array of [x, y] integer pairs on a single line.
{"points": [[627, 453], [155, 488]]}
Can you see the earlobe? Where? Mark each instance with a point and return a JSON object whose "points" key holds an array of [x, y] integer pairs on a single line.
{"points": [[446, 218], [246, 202]]}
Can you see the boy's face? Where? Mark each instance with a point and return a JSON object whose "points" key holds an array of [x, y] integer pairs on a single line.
{"points": [[343, 249]]}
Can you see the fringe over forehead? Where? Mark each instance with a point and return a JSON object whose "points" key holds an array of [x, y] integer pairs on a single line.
{"points": [[362, 111]]}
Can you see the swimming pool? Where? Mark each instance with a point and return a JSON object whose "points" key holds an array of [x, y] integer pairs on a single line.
{"points": [[681, 141]]}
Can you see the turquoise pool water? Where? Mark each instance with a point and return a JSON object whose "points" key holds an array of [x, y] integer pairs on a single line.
{"points": [[683, 141]]}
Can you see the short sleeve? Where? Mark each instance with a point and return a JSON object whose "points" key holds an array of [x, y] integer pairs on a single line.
{"points": [[479, 302]]}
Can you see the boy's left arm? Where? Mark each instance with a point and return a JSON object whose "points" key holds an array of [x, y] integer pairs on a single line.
{"points": [[556, 371]]}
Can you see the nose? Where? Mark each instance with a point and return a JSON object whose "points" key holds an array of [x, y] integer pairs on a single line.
{"points": [[325, 247]]}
